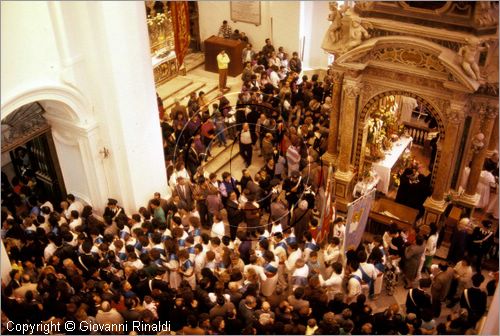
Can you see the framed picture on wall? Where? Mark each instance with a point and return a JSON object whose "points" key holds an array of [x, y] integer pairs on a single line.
{"points": [[245, 11]]}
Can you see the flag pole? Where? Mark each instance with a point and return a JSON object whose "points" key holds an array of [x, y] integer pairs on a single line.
{"points": [[326, 204]]}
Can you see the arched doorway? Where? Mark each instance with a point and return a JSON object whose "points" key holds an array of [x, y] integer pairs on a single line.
{"points": [[30, 165], [399, 132]]}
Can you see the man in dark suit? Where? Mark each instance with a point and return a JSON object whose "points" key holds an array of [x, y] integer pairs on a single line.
{"points": [[293, 187], [183, 190], [192, 159], [474, 299], [87, 262], [234, 214], [112, 209], [417, 299]]}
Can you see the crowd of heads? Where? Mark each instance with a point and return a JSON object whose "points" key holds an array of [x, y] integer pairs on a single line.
{"points": [[218, 255]]}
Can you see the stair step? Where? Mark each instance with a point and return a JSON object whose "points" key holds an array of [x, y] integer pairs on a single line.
{"points": [[168, 102], [222, 157], [172, 87]]}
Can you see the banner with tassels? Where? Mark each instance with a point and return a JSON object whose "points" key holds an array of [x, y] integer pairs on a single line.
{"points": [[180, 23]]}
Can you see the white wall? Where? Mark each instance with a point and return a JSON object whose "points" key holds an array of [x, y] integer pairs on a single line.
{"points": [[284, 30], [313, 25], [89, 65], [36, 59]]}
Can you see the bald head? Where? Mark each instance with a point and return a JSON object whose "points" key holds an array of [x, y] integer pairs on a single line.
{"points": [[105, 306]]}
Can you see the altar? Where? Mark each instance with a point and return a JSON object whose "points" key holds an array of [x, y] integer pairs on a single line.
{"points": [[384, 167], [164, 66]]}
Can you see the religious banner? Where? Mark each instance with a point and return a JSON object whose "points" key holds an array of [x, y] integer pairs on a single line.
{"points": [[327, 211], [180, 22], [357, 216]]}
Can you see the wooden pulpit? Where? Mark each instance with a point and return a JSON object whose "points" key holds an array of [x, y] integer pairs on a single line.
{"points": [[234, 48]]}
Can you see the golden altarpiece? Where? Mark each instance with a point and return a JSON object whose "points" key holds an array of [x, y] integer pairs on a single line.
{"points": [[161, 41], [442, 56]]}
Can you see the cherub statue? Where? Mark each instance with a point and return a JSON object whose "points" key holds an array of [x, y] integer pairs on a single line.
{"points": [[334, 31], [356, 34], [469, 54]]}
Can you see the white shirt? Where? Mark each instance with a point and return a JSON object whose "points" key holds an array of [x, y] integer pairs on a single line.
{"points": [[331, 254], [369, 269], [49, 251], [431, 245], [258, 269], [339, 231], [301, 272], [274, 79], [75, 223], [334, 282], [75, 206], [199, 263], [245, 137], [354, 286], [217, 230], [292, 259]]}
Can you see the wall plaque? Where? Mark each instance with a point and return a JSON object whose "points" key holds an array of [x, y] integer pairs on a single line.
{"points": [[245, 11]]}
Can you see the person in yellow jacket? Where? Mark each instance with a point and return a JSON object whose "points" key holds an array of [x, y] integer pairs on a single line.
{"points": [[222, 63]]}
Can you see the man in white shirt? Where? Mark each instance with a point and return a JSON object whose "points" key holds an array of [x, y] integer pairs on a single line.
{"points": [[50, 249], [75, 220], [295, 253], [331, 254], [199, 260], [334, 283], [368, 271], [274, 78], [246, 149], [354, 283], [74, 204]]}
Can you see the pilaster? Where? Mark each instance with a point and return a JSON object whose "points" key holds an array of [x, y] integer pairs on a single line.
{"points": [[436, 205], [333, 133], [487, 113], [344, 176]]}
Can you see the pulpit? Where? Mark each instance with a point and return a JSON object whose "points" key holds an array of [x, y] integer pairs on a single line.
{"points": [[234, 48]]}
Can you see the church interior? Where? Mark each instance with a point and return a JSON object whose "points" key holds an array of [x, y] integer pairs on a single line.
{"points": [[250, 167]]}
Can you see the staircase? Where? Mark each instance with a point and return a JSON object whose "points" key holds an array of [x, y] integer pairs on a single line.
{"points": [[196, 80]]}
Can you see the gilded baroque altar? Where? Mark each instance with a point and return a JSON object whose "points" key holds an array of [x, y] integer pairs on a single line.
{"points": [[161, 41]]}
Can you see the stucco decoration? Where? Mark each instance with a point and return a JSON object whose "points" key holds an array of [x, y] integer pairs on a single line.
{"points": [[410, 55], [346, 31]]}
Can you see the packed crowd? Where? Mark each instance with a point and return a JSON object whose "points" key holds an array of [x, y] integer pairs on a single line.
{"points": [[227, 256]]}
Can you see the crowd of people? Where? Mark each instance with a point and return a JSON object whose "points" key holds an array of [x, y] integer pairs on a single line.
{"points": [[221, 255]]}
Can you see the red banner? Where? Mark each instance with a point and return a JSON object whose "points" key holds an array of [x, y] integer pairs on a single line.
{"points": [[180, 23]]}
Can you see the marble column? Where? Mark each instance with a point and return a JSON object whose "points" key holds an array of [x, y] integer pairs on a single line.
{"points": [[493, 145], [333, 132], [436, 205], [344, 174], [488, 114]]}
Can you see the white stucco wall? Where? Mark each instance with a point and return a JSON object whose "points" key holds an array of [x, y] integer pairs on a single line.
{"points": [[284, 29], [313, 25], [89, 65]]}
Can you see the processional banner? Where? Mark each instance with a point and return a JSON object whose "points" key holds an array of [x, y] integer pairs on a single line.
{"points": [[357, 216], [180, 23], [328, 210]]}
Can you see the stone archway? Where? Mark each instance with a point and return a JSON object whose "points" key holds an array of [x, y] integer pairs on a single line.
{"points": [[75, 138], [365, 114]]}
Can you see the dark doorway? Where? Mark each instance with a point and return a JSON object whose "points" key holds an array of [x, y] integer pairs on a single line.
{"points": [[34, 168]]}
